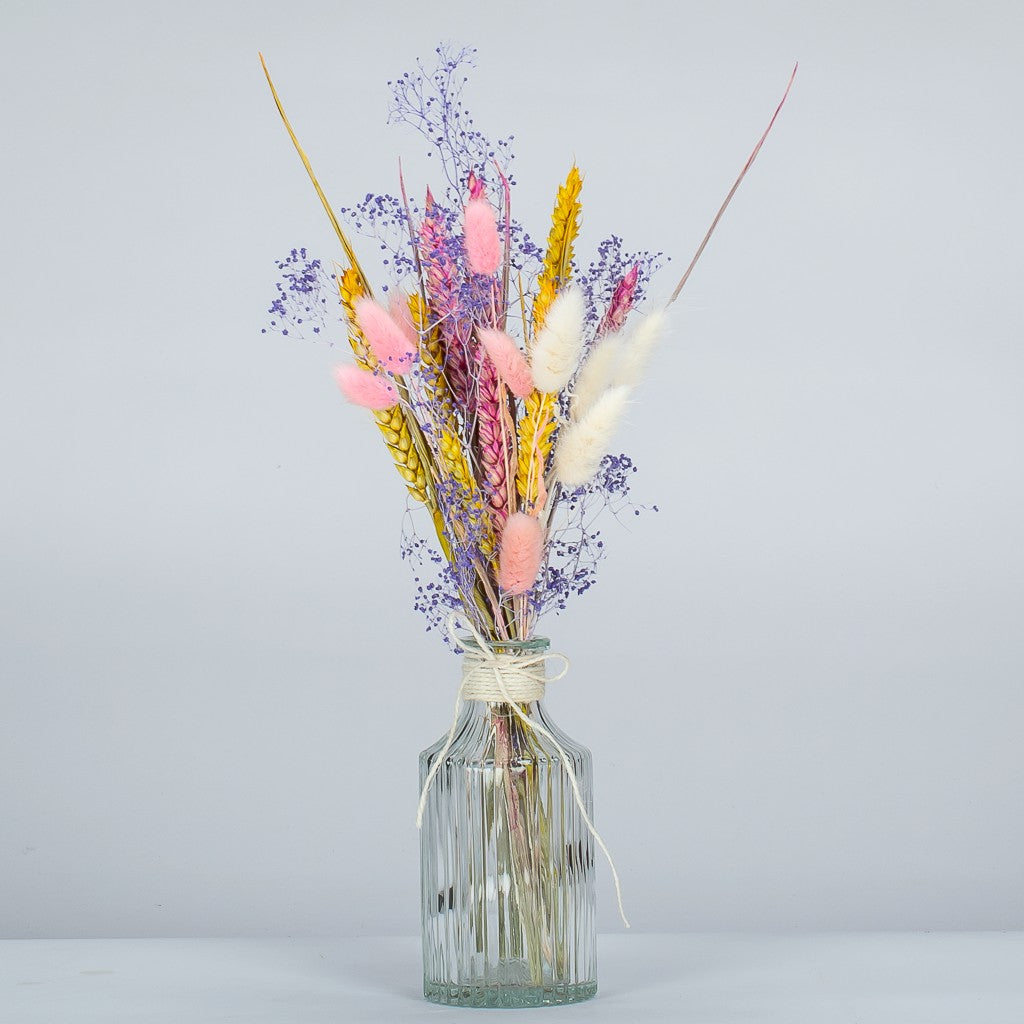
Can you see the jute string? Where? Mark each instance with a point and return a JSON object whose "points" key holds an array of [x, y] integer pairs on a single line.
{"points": [[514, 679]]}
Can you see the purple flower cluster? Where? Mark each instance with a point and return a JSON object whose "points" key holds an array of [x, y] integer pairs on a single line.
{"points": [[430, 102], [436, 594], [575, 548], [306, 297], [601, 276], [385, 219], [576, 545]]}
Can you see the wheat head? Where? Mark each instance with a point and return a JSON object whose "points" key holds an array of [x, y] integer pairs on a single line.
{"points": [[537, 424], [392, 422]]}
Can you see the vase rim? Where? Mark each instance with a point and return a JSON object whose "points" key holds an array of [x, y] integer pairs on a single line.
{"points": [[531, 645]]}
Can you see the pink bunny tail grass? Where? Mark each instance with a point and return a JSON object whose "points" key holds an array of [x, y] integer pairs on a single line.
{"points": [[522, 548], [386, 339], [492, 443], [510, 362], [483, 246], [621, 304], [398, 307], [362, 387]]}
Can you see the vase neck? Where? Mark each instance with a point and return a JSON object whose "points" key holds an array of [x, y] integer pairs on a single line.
{"points": [[494, 709], [502, 672]]}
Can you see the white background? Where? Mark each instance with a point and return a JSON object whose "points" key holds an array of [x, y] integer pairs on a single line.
{"points": [[801, 680]]}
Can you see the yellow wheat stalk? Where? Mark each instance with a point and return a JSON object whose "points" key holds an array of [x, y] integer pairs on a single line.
{"points": [[538, 422], [351, 288], [450, 452], [401, 433], [454, 460], [342, 237], [435, 384], [393, 423], [565, 226]]}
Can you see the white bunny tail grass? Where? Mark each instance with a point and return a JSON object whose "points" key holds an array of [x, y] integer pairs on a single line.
{"points": [[583, 444], [636, 352], [596, 375], [557, 347]]}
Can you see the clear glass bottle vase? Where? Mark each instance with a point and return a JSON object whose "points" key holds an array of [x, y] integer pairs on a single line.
{"points": [[507, 862]]}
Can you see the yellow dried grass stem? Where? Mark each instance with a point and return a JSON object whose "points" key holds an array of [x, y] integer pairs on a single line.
{"points": [[435, 384], [398, 438], [565, 226], [350, 288], [538, 421], [393, 423], [534, 446], [342, 237]]}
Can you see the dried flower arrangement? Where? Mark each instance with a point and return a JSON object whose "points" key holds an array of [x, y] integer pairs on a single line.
{"points": [[497, 372]]}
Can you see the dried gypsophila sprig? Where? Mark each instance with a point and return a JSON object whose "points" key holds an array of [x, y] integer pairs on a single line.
{"points": [[487, 435]]}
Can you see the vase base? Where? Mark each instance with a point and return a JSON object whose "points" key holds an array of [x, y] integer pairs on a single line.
{"points": [[507, 996]]}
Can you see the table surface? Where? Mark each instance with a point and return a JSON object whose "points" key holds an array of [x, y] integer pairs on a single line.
{"points": [[822, 978]]}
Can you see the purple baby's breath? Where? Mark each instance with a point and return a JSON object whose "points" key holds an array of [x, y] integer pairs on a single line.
{"points": [[601, 276], [436, 593], [384, 219], [576, 545], [306, 298], [430, 102]]}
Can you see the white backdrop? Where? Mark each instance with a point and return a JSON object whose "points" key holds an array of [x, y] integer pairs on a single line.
{"points": [[801, 679]]}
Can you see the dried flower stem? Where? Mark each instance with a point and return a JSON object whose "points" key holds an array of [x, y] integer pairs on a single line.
{"points": [[345, 244], [732, 192]]}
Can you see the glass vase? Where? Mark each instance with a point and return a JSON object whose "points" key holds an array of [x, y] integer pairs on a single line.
{"points": [[507, 861]]}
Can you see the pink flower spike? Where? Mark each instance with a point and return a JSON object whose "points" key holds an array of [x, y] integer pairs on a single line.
{"points": [[522, 548], [398, 307], [510, 363], [475, 184], [483, 246], [621, 304], [386, 339], [361, 387]]}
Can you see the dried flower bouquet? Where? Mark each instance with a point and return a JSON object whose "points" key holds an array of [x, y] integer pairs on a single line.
{"points": [[497, 371]]}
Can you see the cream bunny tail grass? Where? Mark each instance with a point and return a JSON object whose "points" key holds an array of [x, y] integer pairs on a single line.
{"points": [[583, 443], [636, 352], [597, 374], [618, 359], [558, 345]]}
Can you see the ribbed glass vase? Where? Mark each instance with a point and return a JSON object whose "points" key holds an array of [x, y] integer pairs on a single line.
{"points": [[507, 862]]}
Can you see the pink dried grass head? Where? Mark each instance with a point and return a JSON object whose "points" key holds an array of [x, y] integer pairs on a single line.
{"points": [[483, 246], [521, 552], [509, 361], [398, 307], [361, 387], [386, 339]]}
